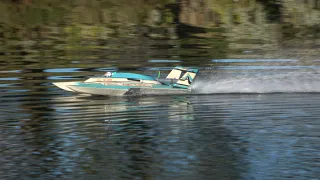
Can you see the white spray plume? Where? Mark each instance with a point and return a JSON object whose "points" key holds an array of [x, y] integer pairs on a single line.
{"points": [[258, 82]]}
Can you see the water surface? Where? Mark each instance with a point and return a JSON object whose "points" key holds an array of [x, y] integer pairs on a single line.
{"points": [[254, 113], [233, 127]]}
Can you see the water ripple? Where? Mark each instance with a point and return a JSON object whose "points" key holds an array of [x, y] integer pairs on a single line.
{"points": [[46, 132]]}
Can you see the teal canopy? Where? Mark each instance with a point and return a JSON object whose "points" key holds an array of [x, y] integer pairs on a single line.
{"points": [[131, 76]]}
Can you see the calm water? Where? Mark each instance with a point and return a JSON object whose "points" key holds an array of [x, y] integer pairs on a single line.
{"points": [[245, 133], [254, 113]]}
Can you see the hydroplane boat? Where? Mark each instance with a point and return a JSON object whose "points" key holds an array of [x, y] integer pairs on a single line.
{"points": [[130, 84]]}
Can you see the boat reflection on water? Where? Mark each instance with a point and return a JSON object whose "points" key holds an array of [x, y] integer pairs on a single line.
{"points": [[143, 136], [111, 109], [129, 130]]}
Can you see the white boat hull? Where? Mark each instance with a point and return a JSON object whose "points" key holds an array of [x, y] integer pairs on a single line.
{"points": [[64, 85], [98, 91], [128, 92], [156, 91]]}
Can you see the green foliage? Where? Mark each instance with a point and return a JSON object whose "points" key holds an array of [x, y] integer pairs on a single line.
{"points": [[33, 16], [85, 23], [168, 16]]}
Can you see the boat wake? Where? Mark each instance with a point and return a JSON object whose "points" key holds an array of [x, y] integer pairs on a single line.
{"points": [[258, 83]]}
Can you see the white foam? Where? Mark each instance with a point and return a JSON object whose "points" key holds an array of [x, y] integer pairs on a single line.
{"points": [[257, 83]]}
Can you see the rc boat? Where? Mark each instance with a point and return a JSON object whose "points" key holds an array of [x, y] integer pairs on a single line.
{"points": [[129, 84]]}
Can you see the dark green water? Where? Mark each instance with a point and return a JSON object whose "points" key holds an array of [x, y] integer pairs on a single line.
{"points": [[254, 114]]}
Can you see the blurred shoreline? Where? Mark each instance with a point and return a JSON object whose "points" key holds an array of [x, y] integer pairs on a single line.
{"points": [[211, 28]]}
